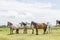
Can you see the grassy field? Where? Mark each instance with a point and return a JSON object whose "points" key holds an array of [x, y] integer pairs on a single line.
{"points": [[54, 35]]}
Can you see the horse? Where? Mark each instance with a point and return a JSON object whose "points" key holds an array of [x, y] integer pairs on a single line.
{"points": [[57, 22], [38, 25], [13, 27], [25, 27]]}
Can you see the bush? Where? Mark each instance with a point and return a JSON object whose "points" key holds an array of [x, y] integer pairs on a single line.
{"points": [[3, 26]]}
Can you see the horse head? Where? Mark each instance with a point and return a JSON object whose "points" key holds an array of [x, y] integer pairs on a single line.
{"points": [[22, 23], [9, 24], [33, 24], [57, 22]]}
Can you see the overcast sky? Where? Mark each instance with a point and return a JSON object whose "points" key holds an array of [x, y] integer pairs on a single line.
{"points": [[29, 10]]}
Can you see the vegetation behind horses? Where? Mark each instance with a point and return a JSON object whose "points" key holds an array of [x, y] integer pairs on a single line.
{"points": [[54, 35]]}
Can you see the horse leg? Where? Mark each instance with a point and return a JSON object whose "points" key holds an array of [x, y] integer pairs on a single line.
{"points": [[17, 31], [45, 30], [32, 31], [36, 31], [50, 30], [11, 31], [26, 30]]}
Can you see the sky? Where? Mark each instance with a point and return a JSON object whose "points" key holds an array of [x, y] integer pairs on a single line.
{"points": [[40, 11]]}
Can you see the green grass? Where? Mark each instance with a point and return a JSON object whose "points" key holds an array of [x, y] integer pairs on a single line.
{"points": [[54, 35]]}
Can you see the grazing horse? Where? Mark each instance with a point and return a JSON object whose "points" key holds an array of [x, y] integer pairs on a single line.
{"points": [[13, 27], [38, 25], [57, 22], [25, 27]]}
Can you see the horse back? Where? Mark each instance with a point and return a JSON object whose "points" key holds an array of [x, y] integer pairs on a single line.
{"points": [[41, 25]]}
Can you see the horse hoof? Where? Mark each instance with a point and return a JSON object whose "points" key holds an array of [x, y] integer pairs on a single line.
{"points": [[17, 33], [10, 34], [32, 33], [43, 33], [24, 33], [36, 34]]}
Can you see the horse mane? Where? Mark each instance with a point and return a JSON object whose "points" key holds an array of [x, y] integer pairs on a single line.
{"points": [[24, 23]]}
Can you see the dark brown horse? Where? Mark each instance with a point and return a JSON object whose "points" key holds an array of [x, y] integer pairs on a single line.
{"points": [[38, 25]]}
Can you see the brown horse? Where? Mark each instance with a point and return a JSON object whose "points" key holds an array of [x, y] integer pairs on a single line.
{"points": [[38, 25]]}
